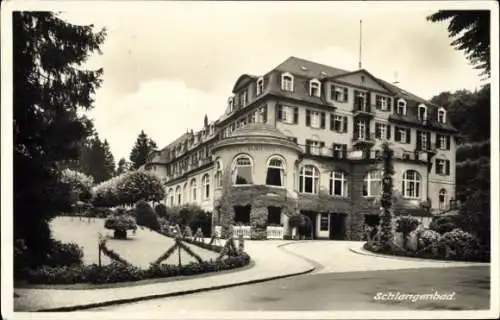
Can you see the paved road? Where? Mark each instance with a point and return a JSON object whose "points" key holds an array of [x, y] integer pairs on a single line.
{"points": [[336, 291]]}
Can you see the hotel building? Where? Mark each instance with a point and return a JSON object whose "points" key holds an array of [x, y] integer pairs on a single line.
{"points": [[306, 138]]}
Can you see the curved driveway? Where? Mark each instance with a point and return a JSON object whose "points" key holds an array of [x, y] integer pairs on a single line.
{"points": [[349, 256]]}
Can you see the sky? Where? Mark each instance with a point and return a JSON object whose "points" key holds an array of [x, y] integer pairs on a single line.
{"points": [[168, 64]]}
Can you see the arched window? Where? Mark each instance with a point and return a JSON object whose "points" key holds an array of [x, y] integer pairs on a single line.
{"points": [[401, 107], [372, 184], [443, 199], [287, 82], [260, 86], [422, 112], [205, 184], [185, 191], [338, 184], [178, 195], [193, 188], [171, 197], [442, 115], [411, 184], [309, 180], [275, 172], [218, 174], [314, 88], [243, 170]]}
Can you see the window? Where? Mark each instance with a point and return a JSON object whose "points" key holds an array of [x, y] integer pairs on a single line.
{"points": [[442, 115], [178, 195], [193, 190], [314, 147], [372, 184], [361, 101], [338, 123], [260, 86], [382, 103], [443, 142], [171, 194], [205, 182], [242, 214], [361, 132], [402, 135], [324, 222], [261, 115], [338, 94], [424, 143], [443, 167], [401, 107], [287, 82], [422, 113], [381, 131], [339, 151], [185, 191], [309, 180], [243, 99], [230, 103], [314, 88], [218, 174], [315, 119], [443, 199], [411, 184], [287, 114], [338, 184], [273, 216], [275, 172], [243, 171]]}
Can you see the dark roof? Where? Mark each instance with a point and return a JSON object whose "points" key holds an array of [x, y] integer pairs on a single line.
{"points": [[306, 68], [177, 141]]}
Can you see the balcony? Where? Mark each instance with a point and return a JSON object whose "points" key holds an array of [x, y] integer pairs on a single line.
{"points": [[245, 231], [323, 152], [430, 148], [363, 140], [362, 109]]}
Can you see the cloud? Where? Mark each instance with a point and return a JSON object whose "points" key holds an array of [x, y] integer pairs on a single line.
{"points": [[164, 109], [167, 64]]}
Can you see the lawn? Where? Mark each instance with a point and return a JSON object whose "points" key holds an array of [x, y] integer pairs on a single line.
{"points": [[140, 249]]}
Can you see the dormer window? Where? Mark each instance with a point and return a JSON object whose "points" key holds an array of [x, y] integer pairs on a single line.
{"points": [[230, 103], [422, 112], [401, 107], [442, 115], [314, 88], [287, 82], [243, 99], [260, 86]]}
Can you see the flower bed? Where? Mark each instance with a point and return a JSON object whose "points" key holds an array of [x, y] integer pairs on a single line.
{"points": [[118, 272], [455, 245], [121, 271]]}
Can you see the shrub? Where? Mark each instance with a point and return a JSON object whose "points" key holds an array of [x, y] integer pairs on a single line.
{"points": [[161, 210], [428, 237], [120, 224], [443, 224], [146, 216], [460, 245], [64, 254]]}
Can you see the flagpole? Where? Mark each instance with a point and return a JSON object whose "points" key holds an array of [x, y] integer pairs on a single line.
{"points": [[360, 65]]}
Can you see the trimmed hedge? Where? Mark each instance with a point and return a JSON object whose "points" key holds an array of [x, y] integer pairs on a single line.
{"points": [[118, 272]]}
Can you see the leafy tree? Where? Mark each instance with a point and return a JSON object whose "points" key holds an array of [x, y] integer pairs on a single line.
{"points": [[470, 30], [142, 148], [139, 185], [161, 210], [49, 89], [145, 216], [386, 236], [95, 159], [80, 183], [123, 166]]}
